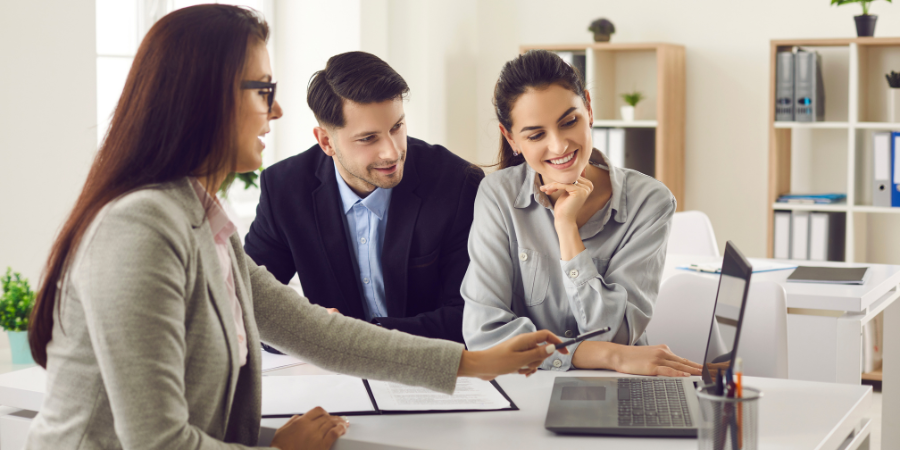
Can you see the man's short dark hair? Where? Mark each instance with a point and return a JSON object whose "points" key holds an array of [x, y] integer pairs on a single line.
{"points": [[356, 76]]}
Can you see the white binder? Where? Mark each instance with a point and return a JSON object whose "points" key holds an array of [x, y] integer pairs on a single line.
{"points": [[800, 235], [881, 169]]}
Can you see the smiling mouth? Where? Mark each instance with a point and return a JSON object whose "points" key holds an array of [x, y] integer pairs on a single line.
{"points": [[565, 160], [386, 170]]}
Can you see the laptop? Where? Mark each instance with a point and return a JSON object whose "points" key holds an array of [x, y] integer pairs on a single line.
{"points": [[646, 406]]}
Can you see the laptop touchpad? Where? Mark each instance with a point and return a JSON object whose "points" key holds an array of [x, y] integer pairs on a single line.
{"points": [[583, 393]]}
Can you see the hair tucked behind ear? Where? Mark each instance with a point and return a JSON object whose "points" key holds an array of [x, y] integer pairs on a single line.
{"points": [[534, 69]]}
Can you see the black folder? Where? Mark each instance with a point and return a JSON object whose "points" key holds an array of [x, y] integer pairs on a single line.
{"points": [[829, 275]]}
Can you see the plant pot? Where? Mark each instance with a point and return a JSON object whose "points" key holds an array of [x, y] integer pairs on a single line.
{"points": [[627, 113], [601, 37], [18, 345], [894, 105], [865, 25]]}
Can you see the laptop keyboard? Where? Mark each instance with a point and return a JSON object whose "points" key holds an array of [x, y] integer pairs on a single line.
{"points": [[652, 403]]}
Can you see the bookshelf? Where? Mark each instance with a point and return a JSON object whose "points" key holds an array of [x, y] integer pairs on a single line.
{"points": [[834, 155], [657, 70]]}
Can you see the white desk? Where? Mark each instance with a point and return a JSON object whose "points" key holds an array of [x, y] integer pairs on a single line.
{"points": [[793, 415], [825, 326]]}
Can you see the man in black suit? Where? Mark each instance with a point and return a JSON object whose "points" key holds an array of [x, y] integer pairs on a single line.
{"points": [[374, 223]]}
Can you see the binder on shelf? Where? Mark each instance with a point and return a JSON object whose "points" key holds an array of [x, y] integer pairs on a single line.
{"points": [[576, 59], [809, 90], [782, 241], [881, 169], [895, 169], [616, 146], [826, 236], [800, 235], [784, 87], [601, 142]]}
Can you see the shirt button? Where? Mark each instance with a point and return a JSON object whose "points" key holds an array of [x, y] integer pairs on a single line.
{"points": [[569, 333], [557, 363], [366, 280], [523, 256], [573, 273], [362, 240]]}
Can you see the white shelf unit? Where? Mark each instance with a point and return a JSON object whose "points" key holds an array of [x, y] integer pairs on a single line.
{"points": [[834, 155]]}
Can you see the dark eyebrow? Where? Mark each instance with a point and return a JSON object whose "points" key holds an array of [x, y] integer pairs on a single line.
{"points": [[369, 133], [563, 116]]}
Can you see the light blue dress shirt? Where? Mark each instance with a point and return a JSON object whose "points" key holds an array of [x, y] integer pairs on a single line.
{"points": [[366, 225]]}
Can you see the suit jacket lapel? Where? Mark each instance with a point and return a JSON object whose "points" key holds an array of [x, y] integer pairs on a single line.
{"points": [[402, 215], [330, 228], [212, 272]]}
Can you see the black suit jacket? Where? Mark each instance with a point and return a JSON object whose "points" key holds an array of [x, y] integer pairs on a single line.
{"points": [[299, 227]]}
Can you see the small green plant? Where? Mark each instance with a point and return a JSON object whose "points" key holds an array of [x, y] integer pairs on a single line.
{"points": [[249, 180], [863, 3], [16, 302], [632, 98]]}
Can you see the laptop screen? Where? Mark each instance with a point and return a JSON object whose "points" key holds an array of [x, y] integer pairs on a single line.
{"points": [[734, 284]]}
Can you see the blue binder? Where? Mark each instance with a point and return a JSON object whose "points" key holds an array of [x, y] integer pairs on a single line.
{"points": [[895, 169]]}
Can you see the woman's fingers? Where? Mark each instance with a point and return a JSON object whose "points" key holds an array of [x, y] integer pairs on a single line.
{"points": [[332, 422], [313, 414]]}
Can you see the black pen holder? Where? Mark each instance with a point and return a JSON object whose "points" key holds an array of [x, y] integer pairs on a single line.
{"points": [[728, 423]]}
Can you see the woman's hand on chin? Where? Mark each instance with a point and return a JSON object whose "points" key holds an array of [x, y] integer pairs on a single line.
{"points": [[653, 360]]}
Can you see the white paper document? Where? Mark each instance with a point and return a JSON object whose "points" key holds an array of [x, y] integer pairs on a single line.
{"points": [[289, 395], [471, 393], [271, 361]]}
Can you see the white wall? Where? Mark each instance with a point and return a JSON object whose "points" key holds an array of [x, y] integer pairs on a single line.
{"points": [[306, 33], [47, 123], [727, 46]]}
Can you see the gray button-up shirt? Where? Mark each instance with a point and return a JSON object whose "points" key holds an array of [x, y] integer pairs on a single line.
{"points": [[516, 282]]}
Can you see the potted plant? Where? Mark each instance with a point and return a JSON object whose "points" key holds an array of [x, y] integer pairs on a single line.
{"points": [[865, 23], [249, 180], [15, 309], [602, 29], [632, 99]]}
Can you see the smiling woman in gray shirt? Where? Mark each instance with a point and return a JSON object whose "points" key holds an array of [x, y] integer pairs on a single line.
{"points": [[565, 242]]}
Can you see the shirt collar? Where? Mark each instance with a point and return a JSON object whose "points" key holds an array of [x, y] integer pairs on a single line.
{"points": [[377, 201], [221, 226], [530, 189]]}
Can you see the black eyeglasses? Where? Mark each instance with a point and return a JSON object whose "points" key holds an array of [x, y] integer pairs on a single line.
{"points": [[270, 95]]}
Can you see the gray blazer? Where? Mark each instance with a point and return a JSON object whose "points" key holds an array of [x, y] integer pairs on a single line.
{"points": [[144, 352], [516, 282]]}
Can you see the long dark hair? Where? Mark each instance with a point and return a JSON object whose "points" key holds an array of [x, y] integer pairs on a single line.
{"points": [[534, 69], [175, 118]]}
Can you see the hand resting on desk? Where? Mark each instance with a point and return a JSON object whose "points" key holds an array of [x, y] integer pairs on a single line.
{"points": [[633, 359], [312, 431]]}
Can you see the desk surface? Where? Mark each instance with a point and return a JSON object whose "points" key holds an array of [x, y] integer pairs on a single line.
{"points": [[793, 414], [882, 280]]}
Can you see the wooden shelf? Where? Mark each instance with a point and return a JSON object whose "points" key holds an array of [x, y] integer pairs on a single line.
{"points": [[833, 125], [835, 159], [876, 209], [810, 207], [657, 69], [877, 125], [625, 124], [872, 376]]}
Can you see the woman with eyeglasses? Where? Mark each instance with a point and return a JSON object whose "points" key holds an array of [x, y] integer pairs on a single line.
{"points": [[149, 315]]}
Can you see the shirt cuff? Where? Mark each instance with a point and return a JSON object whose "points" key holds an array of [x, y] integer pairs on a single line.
{"points": [[580, 269], [560, 362]]}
